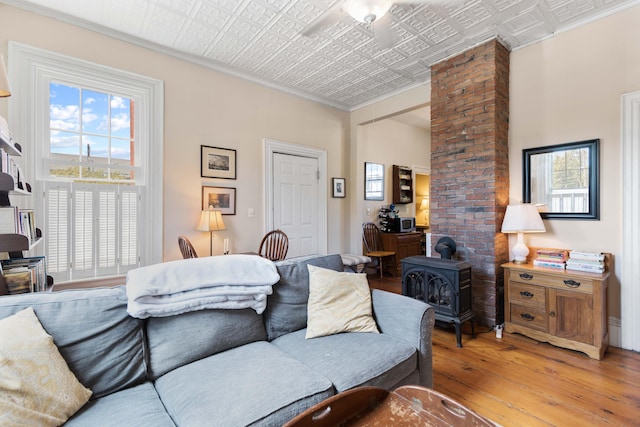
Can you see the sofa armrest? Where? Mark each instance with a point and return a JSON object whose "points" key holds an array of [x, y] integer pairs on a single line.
{"points": [[410, 320]]}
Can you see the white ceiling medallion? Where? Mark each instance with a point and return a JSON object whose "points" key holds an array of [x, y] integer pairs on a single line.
{"points": [[367, 11]]}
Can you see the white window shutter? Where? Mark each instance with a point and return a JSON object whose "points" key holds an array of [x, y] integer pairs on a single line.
{"points": [[83, 232], [57, 207], [107, 220], [129, 211]]}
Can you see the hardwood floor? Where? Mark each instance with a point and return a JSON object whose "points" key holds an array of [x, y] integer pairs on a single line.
{"points": [[517, 381]]}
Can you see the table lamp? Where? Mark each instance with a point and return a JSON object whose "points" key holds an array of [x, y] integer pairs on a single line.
{"points": [[521, 219], [424, 206], [211, 220]]}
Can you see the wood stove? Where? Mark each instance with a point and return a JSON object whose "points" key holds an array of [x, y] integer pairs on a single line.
{"points": [[444, 284]]}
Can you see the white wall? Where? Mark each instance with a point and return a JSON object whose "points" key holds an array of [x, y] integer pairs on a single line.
{"points": [[392, 143], [568, 88], [360, 149], [203, 107]]}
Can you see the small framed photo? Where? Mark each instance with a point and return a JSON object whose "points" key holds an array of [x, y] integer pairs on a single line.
{"points": [[339, 189], [217, 162], [221, 198]]}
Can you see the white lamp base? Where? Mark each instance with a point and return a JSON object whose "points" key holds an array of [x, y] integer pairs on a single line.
{"points": [[520, 250]]}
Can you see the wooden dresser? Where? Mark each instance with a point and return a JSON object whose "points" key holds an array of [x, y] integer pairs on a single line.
{"points": [[403, 244], [563, 307]]}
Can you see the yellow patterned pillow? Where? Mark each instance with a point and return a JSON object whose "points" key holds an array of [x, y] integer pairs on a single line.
{"points": [[338, 302], [36, 386]]}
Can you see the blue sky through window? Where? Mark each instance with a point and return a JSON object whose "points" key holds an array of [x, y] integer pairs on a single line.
{"points": [[89, 123]]}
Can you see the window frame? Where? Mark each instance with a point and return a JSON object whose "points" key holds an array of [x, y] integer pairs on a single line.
{"points": [[32, 69]]}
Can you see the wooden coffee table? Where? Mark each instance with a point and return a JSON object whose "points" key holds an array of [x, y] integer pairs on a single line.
{"points": [[409, 406]]}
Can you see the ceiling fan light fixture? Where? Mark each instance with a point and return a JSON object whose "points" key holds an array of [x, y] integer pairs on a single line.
{"points": [[367, 11]]}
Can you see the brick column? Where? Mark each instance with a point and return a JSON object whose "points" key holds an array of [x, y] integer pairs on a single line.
{"points": [[470, 166]]}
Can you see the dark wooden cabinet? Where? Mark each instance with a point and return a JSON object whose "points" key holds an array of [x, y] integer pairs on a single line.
{"points": [[402, 185], [403, 244], [563, 307]]}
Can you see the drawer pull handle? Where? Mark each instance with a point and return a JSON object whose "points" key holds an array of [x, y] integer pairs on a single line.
{"points": [[526, 276], [527, 316], [572, 283], [552, 314], [526, 294]]}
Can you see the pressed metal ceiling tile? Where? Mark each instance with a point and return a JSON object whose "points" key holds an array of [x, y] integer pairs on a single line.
{"points": [[344, 63]]}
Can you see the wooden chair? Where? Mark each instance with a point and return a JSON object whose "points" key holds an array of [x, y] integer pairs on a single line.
{"points": [[274, 245], [373, 246], [186, 248]]}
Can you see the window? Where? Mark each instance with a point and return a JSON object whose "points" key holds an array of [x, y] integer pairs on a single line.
{"points": [[94, 141]]}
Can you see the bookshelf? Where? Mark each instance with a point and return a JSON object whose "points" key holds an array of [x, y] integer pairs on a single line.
{"points": [[27, 236]]}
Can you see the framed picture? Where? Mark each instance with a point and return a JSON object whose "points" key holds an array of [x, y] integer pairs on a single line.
{"points": [[339, 189], [217, 162], [222, 198]]}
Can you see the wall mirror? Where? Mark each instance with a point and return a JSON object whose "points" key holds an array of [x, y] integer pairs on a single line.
{"points": [[563, 180], [373, 181]]}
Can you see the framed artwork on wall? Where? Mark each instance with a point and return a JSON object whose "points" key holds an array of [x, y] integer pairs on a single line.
{"points": [[216, 162], [339, 189], [222, 198]]}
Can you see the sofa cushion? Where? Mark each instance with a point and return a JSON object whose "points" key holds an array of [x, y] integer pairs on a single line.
{"points": [[36, 385], [287, 306], [353, 359], [338, 302], [255, 384], [100, 342], [177, 340], [134, 407]]}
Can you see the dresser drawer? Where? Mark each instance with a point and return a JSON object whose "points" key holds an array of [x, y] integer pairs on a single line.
{"points": [[521, 293], [529, 316], [560, 280]]}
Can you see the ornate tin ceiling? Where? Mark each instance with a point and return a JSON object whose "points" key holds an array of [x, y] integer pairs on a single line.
{"points": [[342, 64]]}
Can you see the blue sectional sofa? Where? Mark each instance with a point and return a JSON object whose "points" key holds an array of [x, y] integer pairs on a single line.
{"points": [[226, 367]]}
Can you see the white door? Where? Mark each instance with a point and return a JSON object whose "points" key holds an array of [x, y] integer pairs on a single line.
{"points": [[295, 202]]}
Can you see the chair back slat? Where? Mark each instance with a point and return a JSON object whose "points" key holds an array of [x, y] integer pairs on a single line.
{"points": [[186, 248], [274, 245], [371, 237]]}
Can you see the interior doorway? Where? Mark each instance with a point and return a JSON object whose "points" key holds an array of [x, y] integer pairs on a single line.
{"points": [[296, 195]]}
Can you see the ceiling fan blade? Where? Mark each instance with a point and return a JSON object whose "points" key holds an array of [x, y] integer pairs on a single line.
{"points": [[330, 17], [383, 32]]}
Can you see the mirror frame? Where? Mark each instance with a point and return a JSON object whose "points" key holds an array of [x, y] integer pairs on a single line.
{"points": [[592, 145], [366, 167]]}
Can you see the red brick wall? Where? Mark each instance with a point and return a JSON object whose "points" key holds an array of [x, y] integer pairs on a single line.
{"points": [[470, 166]]}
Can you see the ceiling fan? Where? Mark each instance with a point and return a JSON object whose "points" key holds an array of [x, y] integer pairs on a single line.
{"points": [[366, 12]]}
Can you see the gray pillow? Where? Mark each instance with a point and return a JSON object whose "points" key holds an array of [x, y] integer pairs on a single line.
{"points": [[287, 306], [100, 342]]}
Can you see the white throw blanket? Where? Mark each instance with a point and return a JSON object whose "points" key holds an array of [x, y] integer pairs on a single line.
{"points": [[229, 281]]}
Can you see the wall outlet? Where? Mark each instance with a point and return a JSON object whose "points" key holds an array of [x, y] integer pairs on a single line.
{"points": [[251, 213], [368, 211]]}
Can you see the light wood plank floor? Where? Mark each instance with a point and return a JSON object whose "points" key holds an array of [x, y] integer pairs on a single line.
{"points": [[517, 381]]}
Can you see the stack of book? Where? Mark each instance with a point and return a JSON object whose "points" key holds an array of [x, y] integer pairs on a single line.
{"points": [[591, 262], [554, 258], [18, 221], [24, 275]]}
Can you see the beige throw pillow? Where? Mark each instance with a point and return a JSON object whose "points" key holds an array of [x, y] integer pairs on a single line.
{"points": [[338, 302], [36, 386]]}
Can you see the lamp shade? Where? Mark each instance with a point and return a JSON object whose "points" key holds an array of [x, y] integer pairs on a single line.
{"points": [[4, 80], [424, 205], [211, 220], [523, 218]]}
